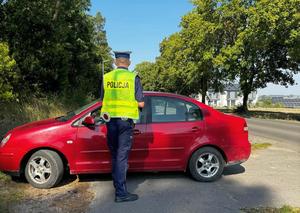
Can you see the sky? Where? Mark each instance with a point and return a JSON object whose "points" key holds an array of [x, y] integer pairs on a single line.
{"points": [[140, 26]]}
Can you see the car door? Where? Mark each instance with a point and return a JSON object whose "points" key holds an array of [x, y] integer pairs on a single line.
{"points": [[139, 149], [92, 151], [92, 154], [173, 125]]}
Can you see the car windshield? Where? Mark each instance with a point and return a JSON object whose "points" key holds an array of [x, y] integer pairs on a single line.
{"points": [[71, 114]]}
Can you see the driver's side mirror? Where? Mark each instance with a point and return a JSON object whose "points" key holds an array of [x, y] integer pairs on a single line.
{"points": [[88, 121]]}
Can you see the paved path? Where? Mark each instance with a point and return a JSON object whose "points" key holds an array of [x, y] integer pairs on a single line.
{"points": [[280, 130], [269, 178]]}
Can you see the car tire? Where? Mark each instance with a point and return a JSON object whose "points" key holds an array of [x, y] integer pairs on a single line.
{"points": [[206, 164], [44, 169]]}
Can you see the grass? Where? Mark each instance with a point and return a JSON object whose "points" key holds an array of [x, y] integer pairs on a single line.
{"points": [[283, 209], [10, 193], [17, 196], [259, 146], [285, 110], [268, 113], [4, 178], [19, 112]]}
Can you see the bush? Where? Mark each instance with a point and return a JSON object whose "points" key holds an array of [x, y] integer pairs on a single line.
{"points": [[267, 103]]}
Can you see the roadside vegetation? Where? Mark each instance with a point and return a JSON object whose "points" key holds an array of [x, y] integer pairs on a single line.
{"points": [[9, 193], [267, 103], [259, 143], [17, 196], [283, 209], [258, 146], [15, 113], [266, 113]]}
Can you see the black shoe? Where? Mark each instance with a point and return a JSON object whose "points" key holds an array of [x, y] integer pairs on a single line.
{"points": [[128, 197]]}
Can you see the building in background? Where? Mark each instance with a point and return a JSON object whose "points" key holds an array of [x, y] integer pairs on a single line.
{"points": [[230, 97]]}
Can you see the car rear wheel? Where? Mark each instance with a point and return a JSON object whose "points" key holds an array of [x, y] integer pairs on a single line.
{"points": [[44, 169], [206, 164]]}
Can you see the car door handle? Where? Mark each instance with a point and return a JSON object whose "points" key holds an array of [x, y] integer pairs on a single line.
{"points": [[136, 132], [195, 129]]}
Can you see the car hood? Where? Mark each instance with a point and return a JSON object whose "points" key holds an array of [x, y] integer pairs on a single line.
{"points": [[38, 125]]}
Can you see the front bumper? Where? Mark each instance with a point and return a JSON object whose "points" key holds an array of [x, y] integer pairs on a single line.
{"points": [[8, 163]]}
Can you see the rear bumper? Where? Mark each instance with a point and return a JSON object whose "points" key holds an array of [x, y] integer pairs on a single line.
{"points": [[232, 163], [239, 153]]}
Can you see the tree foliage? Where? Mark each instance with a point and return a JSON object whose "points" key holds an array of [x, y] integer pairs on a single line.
{"points": [[263, 50], [57, 46], [8, 73], [147, 73], [252, 41]]}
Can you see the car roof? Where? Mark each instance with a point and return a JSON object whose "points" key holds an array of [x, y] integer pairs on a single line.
{"points": [[165, 94]]}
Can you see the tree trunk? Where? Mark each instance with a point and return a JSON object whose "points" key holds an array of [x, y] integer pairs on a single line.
{"points": [[203, 98], [203, 89], [245, 102]]}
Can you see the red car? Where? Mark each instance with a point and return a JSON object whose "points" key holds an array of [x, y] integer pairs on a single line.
{"points": [[174, 133]]}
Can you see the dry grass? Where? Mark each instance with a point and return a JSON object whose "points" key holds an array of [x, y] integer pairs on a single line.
{"points": [[284, 110], [16, 113], [259, 143], [283, 209], [10, 193], [70, 196], [258, 146], [268, 113]]}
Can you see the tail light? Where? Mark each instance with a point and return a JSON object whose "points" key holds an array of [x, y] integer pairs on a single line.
{"points": [[245, 127]]}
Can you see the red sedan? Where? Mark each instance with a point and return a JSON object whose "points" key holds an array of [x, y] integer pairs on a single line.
{"points": [[174, 133]]}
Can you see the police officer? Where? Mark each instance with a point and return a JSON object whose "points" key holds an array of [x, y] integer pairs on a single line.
{"points": [[122, 96]]}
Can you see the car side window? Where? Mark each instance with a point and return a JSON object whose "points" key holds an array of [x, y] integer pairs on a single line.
{"points": [[96, 114], [166, 109], [193, 112]]}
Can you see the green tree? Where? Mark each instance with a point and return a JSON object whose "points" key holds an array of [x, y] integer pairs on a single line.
{"points": [[56, 45], [8, 73], [185, 64], [147, 73], [102, 48], [264, 48]]}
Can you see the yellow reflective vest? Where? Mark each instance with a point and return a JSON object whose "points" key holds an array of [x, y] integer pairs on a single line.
{"points": [[119, 95]]}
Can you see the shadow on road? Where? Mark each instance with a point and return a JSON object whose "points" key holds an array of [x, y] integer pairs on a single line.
{"points": [[230, 170], [177, 192], [233, 170]]}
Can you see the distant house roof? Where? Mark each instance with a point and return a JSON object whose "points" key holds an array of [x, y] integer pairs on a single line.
{"points": [[229, 87], [232, 87]]}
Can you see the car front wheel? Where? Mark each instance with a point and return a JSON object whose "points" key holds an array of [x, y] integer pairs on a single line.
{"points": [[44, 169], [206, 164]]}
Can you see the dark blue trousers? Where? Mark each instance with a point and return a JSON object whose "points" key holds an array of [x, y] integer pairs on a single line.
{"points": [[119, 140]]}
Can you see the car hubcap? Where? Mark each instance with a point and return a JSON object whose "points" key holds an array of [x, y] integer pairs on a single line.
{"points": [[207, 165], [39, 170]]}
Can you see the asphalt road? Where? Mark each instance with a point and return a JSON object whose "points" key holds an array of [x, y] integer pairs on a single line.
{"points": [[279, 130], [269, 178]]}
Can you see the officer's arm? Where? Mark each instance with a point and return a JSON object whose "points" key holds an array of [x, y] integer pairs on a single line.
{"points": [[139, 92]]}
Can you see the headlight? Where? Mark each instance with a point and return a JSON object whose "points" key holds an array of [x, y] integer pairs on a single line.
{"points": [[4, 140]]}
